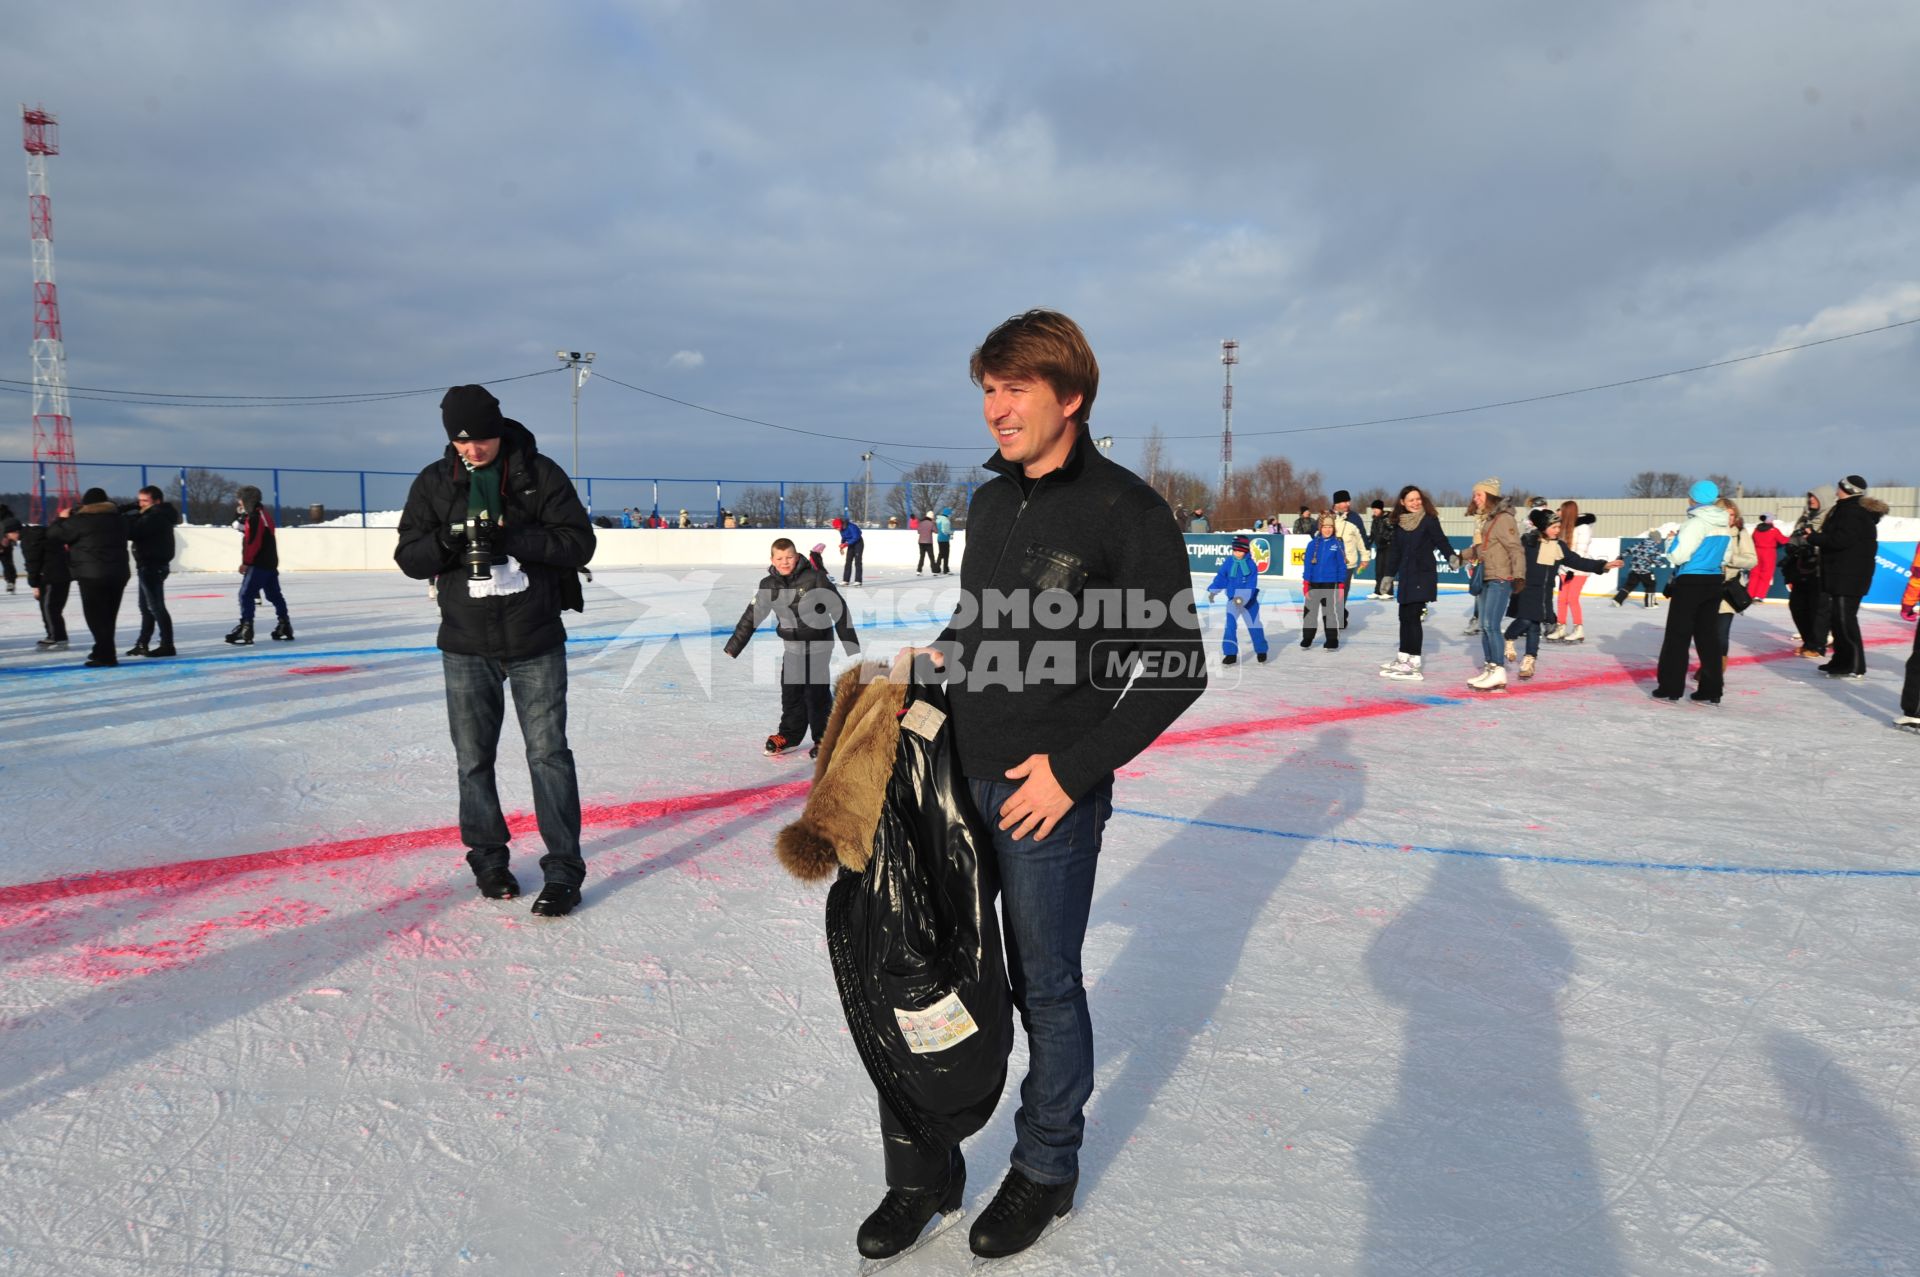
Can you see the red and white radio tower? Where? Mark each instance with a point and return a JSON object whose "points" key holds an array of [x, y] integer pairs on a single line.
{"points": [[52, 425]]}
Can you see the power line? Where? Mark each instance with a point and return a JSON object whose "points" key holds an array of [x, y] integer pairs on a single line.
{"points": [[1557, 394], [168, 399], [771, 425]]}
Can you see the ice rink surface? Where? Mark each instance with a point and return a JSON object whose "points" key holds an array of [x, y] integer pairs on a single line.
{"points": [[1385, 978]]}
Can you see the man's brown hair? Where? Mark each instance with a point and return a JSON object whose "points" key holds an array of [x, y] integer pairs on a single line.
{"points": [[784, 543], [1046, 345]]}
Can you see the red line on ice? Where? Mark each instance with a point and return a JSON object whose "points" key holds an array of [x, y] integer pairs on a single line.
{"points": [[186, 873], [627, 815]]}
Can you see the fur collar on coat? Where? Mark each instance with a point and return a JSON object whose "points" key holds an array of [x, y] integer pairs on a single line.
{"points": [[850, 777]]}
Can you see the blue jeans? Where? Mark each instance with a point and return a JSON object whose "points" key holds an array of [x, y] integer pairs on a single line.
{"points": [[1493, 606], [1519, 626], [1046, 893], [476, 707], [153, 604], [257, 581]]}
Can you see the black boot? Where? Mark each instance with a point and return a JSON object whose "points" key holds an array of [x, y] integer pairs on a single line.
{"points": [[1020, 1212], [284, 630], [242, 635], [1229, 659], [138, 649], [556, 900], [165, 649], [497, 884], [1306, 638], [900, 1222], [1333, 642]]}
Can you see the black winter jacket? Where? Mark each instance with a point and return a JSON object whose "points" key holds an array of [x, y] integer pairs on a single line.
{"points": [[808, 608], [96, 540], [151, 531], [46, 559], [1415, 572], [1380, 538], [911, 931], [1536, 602], [1847, 542], [543, 526], [1034, 684]]}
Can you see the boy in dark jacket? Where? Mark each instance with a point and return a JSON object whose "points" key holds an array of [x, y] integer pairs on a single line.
{"points": [[259, 568], [8, 524], [500, 531], [1381, 535], [95, 536], [810, 612], [1532, 607], [150, 523], [50, 578]]}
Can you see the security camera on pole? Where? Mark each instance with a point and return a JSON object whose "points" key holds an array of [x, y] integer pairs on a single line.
{"points": [[581, 364]]}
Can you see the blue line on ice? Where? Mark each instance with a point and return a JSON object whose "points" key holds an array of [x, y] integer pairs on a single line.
{"points": [[282, 654], [1758, 871]]}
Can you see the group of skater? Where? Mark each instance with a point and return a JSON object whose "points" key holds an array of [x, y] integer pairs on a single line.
{"points": [[102, 546], [1527, 573]]}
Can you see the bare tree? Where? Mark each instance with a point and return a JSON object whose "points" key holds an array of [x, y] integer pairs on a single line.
{"points": [[1270, 486], [1153, 458], [760, 505], [811, 505], [208, 499]]}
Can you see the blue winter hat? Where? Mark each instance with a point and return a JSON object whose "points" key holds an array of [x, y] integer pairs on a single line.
{"points": [[946, 511], [1705, 492]]}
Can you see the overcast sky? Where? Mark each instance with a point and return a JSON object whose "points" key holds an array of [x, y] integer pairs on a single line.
{"points": [[810, 214]]}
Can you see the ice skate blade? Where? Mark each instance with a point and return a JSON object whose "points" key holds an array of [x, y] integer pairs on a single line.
{"points": [[982, 1264], [935, 1226]]}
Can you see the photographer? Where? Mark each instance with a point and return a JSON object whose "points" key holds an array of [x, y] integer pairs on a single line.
{"points": [[150, 523], [500, 532]]}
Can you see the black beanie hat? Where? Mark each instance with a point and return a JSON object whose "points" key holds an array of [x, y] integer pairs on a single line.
{"points": [[93, 496], [1853, 485], [1542, 518], [470, 412], [1342, 495]]}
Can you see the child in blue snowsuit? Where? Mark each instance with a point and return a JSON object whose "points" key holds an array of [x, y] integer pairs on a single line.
{"points": [[1239, 579]]}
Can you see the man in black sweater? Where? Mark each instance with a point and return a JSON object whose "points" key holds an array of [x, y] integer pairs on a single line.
{"points": [[1074, 590], [150, 522]]}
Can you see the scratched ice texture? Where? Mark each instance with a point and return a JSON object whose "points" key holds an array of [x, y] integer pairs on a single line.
{"points": [[1386, 979]]}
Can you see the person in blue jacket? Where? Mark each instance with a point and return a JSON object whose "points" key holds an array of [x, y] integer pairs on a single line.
{"points": [[943, 538], [853, 552], [1239, 579], [1693, 620], [1325, 573]]}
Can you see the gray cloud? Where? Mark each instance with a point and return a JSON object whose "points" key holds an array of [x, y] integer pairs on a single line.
{"points": [[1394, 207]]}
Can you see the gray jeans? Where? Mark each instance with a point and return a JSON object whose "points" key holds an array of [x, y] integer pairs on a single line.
{"points": [[1323, 609]]}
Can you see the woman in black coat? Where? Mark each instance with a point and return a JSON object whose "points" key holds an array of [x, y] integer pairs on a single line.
{"points": [[95, 534], [1417, 540]]}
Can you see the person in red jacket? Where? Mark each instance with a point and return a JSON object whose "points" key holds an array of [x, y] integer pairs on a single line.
{"points": [[1768, 542], [259, 568]]}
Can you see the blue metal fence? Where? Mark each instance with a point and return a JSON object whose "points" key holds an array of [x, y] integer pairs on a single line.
{"points": [[337, 494]]}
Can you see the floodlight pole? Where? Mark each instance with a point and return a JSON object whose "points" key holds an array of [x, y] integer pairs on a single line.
{"points": [[580, 363]]}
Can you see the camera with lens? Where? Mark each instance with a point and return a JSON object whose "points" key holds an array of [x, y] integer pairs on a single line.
{"points": [[479, 552]]}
